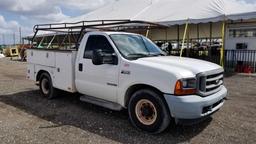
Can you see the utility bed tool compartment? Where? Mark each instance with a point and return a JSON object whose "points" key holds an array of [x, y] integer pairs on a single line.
{"points": [[60, 64], [41, 57]]}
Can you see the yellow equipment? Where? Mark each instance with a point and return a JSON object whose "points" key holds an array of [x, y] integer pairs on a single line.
{"points": [[14, 52]]}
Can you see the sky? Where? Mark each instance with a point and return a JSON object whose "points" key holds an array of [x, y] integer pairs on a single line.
{"points": [[24, 14]]}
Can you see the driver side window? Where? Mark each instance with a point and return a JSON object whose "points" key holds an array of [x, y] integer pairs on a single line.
{"points": [[96, 42]]}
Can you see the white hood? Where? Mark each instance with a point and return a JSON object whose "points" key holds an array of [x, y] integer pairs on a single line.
{"points": [[173, 63]]}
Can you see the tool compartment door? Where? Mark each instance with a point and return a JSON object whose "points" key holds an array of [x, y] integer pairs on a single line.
{"points": [[64, 77], [41, 57]]}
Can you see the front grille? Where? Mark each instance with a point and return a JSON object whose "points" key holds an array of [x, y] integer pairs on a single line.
{"points": [[210, 82]]}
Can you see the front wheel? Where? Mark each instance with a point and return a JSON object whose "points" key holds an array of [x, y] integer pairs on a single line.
{"points": [[148, 112], [46, 87]]}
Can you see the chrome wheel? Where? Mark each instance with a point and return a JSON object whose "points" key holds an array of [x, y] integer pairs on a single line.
{"points": [[146, 112]]}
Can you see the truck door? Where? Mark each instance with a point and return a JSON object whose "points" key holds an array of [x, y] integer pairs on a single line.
{"points": [[100, 81]]}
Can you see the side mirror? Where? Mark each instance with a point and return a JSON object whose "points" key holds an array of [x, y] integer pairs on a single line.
{"points": [[99, 57]]}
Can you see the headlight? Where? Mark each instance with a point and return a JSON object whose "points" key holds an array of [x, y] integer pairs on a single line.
{"points": [[189, 83], [185, 87]]}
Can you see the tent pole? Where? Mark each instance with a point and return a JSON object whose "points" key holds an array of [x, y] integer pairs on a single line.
{"points": [[223, 44], [166, 34], [210, 34], [210, 50], [178, 36], [166, 39], [147, 33], [69, 39], [188, 41], [184, 37], [198, 35]]}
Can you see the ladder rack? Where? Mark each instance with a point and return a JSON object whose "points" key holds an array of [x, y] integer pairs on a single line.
{"points": [[80, 27], [93, 24]]}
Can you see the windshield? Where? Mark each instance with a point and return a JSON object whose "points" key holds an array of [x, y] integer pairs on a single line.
{"points": [[135, 46]]}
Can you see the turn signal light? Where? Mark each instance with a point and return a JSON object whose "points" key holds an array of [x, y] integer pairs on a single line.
{"points": [[179, 90]]}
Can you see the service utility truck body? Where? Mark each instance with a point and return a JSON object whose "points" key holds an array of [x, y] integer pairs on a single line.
{"points": [[120, 70]]}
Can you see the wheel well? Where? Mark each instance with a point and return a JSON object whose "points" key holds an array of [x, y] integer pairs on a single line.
{"points": [[40, 73], [131, 90]]}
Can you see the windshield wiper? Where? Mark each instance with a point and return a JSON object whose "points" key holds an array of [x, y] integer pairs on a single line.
{"points": [[141, 55], [138, 55], [156, 54]]}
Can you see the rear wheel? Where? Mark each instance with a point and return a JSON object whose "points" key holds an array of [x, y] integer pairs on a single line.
{"points": [[148, 112], [46, 87]]}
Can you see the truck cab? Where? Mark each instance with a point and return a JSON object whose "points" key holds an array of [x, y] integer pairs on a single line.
{"points": [[119, 70]]}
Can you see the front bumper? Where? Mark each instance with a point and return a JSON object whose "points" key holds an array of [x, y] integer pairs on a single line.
{"points": [[194, 106]]}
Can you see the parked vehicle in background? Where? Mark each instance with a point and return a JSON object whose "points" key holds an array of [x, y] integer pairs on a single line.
{"points": [[119, 70], [2, 55]]}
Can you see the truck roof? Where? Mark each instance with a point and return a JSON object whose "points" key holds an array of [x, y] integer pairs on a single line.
{"points": [[110, 32]]}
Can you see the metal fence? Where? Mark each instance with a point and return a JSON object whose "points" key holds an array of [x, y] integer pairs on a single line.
{"points": [[242, 61]]}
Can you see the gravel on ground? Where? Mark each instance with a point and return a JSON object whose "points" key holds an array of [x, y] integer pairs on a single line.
{"points": [[27, 117]]}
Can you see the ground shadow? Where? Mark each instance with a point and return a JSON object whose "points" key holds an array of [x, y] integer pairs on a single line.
{"points": [[68, 110]]}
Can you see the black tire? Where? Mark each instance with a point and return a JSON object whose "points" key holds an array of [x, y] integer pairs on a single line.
{"points": [[156, 118], [46, 87]]}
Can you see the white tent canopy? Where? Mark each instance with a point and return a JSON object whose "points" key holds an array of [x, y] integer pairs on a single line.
{"points": [[172, 12]]}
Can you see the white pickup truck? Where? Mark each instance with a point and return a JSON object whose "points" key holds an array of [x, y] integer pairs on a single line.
{"points": [[120, 70]]}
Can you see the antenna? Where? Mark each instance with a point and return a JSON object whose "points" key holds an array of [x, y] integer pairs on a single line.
{"points": [[20, 35], [14, 38], [3, 39]]}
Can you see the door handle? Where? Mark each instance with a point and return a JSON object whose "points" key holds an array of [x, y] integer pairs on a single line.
{"points": [[80, 67]]}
